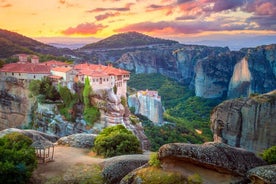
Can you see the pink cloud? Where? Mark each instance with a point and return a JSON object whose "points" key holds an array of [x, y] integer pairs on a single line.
{"points": [[164, 27], [84, 29]]}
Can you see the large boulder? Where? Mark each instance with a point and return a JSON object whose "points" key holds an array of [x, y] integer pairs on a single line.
{"points": [[33, 134], [116, 168], [218, 160], [78, 140], [263, 174], [248, 123]]}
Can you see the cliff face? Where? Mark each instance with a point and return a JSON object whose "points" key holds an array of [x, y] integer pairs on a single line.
{"points": [[213, 72], [248, 123], [149, 106], [15, 106]]}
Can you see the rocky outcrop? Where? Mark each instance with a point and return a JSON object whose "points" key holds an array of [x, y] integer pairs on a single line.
{"points": [[78, 140], [246, 122], [15, 105], [147, 103], [215, 156], [33, 134], [117, 167], [263, 174]]}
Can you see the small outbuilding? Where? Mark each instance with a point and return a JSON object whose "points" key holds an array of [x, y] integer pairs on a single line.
{"points": [[44, 150]]}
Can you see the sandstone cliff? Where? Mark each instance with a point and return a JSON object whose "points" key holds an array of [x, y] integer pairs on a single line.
{"points": [[15, 105], [213, 72], [248, 123]]}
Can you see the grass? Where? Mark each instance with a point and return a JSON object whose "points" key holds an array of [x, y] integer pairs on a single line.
{"points": [[153, 175], [81, 174]]}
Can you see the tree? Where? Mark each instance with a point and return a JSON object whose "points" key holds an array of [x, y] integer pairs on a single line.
{"points": [[86, 92], [269, 155], [34, 87], [65, 95], [17, 158], [116, 140]]}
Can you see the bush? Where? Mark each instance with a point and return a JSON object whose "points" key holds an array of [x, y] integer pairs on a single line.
{"points": [[269, 155], [116, 140], [17, 158], [154, 161]]}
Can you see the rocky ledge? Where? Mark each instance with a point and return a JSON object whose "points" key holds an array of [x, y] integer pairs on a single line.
{"points": [[33, 134], [117, 167], [78, 140], [219, 157], [263, 174]]}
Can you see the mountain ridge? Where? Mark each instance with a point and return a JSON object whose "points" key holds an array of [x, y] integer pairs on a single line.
{"points": [[128, 39], [14, 43]]}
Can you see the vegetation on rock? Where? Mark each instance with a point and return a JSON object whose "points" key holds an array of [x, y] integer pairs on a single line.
{"points": [[17, 158], [269, 155], [91, 113], [116, 140]]}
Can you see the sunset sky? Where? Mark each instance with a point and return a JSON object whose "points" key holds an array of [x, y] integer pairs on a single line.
{"points": [[159, 18]]}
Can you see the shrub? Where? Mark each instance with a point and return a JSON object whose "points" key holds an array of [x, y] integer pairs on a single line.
{"points": [[17, 158], [269, 155], [154, 161], [116, 140]]}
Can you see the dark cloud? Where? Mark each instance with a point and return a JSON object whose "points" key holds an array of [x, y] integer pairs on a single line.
{"points": [[187, 17], [125, 8], [84, 29], [222, 5], [106, 15]]}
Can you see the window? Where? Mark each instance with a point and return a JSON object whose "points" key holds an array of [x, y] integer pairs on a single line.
{"points": [[12, 73], [34, 76], [19, 74]]}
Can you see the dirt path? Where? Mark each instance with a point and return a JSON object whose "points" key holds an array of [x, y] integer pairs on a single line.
{"points": [[64, 159]]}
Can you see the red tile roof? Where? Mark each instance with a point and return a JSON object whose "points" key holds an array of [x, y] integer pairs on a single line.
{"points": [[62, 69], [26, 68], [54, 63], [99, 70]]}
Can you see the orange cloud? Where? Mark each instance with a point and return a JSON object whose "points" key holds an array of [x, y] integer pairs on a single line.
{"points": [[125, 8], [106, 16], [84, 29], [7, 5]]}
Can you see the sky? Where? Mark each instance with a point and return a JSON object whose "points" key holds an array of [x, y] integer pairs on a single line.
{"points": [[174, 19]]}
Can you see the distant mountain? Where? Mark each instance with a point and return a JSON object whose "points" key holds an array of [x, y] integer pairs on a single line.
{"points": [[129, 39], [13, 43]]}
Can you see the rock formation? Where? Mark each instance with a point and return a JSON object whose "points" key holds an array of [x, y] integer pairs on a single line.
{"points": [[263, 174], [78, 140], [221, 161], [33, 134], [117, 167], [147, 103], [213, 72], [248, 123], [15, 105]]}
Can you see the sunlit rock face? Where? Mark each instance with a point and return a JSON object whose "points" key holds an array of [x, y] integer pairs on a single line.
{"points": [[240, 81], [248, 123], [147, 103]]}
